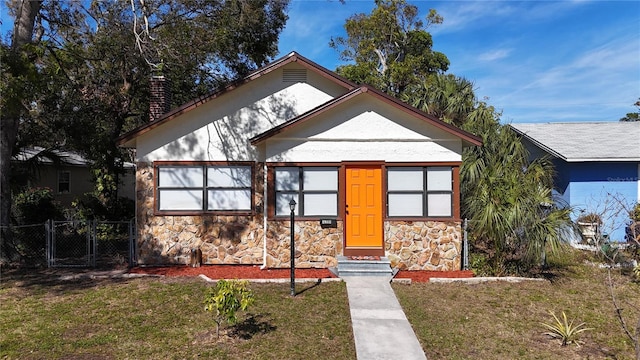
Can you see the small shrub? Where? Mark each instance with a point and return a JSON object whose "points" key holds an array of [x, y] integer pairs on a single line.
{"points": [[636, 272], [610, 252], [225, 299], [565, 330], [479, 264], [91, 207], [35, 206], [635, 213]]}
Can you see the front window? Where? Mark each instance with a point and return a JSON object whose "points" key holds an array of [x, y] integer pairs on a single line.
{"points": [[208, 188], [315, 190], [64, 181], [420, 191]]}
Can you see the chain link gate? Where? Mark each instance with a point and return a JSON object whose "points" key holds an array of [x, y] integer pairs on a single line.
{"points": [[90, 243]]}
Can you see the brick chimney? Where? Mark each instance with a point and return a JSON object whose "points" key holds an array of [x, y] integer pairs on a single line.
{"points": [[160, 97]]}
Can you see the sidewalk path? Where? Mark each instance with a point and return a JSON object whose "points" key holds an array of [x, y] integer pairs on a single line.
{"points": [[380, 327]]}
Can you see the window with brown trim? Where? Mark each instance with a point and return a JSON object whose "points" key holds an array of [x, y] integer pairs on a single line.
{"points": [[315, 190], [205, 188], [420, 191]]}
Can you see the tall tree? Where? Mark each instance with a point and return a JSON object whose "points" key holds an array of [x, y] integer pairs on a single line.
{"points": [[85, 79], [633, 116], [390, 48], [18, 77]]}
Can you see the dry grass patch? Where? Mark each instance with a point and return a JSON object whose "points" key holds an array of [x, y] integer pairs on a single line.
{"points": [[502, 320]]}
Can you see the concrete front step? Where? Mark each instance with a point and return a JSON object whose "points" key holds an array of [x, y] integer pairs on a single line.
{"points": [[364, 267]]}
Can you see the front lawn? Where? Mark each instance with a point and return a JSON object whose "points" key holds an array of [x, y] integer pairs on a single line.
{"points": [[150, 318], [164, 318], [502, 320]]}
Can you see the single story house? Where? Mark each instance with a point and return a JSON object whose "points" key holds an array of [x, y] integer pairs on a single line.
{"points": [[66, 173], [597, 165], [369, 174]]}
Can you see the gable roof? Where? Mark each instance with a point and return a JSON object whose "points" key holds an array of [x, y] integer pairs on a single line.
{"points": [[585, 141], [277, 64], [55, 157], [468, 138]]}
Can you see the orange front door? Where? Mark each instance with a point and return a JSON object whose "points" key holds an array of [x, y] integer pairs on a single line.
{"points": [[363, 224]]}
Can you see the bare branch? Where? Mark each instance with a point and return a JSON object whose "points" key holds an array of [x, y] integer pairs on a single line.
{"points": [[634, 339], [144, 32], [383, 61]]}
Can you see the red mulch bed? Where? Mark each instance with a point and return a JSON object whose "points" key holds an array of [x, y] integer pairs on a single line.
{"points": [[254, 272]]}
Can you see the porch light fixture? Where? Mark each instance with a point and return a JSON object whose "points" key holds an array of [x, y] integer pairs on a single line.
{"points": [[292, 206]]}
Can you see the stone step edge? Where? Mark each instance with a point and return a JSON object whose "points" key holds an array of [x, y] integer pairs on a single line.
{"points": [[365, 271], [363, 262]]}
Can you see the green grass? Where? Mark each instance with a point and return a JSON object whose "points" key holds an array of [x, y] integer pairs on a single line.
{"points": [[165, 319], [150, 318], [502, 320]]}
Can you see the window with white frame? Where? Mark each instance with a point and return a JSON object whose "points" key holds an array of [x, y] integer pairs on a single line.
{"points": [[315, 190], [64, 182], [207, 188], [420, 191]]}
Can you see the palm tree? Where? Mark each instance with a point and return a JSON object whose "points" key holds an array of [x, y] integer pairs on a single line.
{"points": [[509, 202], [446, 96], [507, 198]]}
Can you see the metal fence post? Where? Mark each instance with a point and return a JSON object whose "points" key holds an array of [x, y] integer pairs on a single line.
{"points": [[47, 236], [133, 261], [94, 243], [465, 247]]}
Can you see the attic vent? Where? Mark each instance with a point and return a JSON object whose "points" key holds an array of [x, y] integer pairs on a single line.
{"points": [[294, 75]]}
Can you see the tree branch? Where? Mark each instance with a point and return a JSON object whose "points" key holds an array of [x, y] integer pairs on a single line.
{"points": [[634, 339], [383, 61]]}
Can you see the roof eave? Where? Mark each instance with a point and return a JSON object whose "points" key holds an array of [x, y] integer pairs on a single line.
{"points": [[576, 160]]}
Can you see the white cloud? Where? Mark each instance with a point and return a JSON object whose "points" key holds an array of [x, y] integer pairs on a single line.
{"points": [[493, 55], [463, 15]]}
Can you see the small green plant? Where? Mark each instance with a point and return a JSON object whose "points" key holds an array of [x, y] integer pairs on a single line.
{"points": [[35, 206], [635, 213], [565, 330], [636, 271], [225, 299]]}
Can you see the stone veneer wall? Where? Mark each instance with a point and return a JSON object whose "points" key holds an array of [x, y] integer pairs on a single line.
{"points": [[315, 247], [424, 245], [410, 245], [228, 239]]}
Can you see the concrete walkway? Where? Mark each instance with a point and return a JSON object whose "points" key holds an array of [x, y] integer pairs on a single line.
{"points": [[380, 327]]}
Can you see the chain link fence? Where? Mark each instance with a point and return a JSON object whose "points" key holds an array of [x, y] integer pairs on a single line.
{"points": [[25, 244], [70, 244]]}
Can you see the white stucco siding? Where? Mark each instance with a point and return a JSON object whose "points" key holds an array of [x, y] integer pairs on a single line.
{"points": [[364, 130], [220, 128], [326, 151]]}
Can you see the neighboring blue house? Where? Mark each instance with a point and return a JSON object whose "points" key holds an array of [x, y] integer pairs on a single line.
{"points": [[595, 162]]}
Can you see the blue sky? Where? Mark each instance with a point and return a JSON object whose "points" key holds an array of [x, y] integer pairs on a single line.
{"points": [[537, 61]]}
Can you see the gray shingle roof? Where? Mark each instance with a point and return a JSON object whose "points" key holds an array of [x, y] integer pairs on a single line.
{"points": [[585, 141], [65, 157]]}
